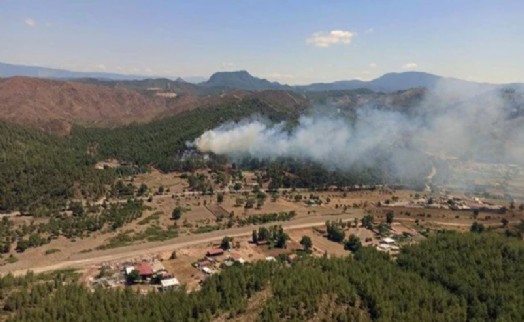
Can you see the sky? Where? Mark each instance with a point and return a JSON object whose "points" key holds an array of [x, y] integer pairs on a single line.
{"points": [[290, 41]]}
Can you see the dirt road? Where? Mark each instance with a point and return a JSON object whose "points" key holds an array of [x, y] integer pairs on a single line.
{"points": [[85, 260]]}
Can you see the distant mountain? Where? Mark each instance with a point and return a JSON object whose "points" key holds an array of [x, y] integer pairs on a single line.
{"points": [[179, 86], [242, 80], [386, 83], [10, 70]]}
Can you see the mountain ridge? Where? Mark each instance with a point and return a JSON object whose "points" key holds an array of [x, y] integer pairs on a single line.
{"points": [[243, 80]]}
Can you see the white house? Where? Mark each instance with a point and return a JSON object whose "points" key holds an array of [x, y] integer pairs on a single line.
{"points": [[169, 283]]}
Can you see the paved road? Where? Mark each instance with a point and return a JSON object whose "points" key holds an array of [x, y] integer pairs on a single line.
{"points": [[80, 261]]}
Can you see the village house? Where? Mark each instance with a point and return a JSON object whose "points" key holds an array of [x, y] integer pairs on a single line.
{"points": [[215, 252], [170, 283], [144, 270]]}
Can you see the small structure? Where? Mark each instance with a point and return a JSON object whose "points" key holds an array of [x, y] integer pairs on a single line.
{"points": [[128, 269], [169, 283], [387, 240], [215, 252], [145, 270], [262, 242], [208, 270]]}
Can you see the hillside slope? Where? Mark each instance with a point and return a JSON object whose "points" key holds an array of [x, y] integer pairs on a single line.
{"points": [[54, 106]]}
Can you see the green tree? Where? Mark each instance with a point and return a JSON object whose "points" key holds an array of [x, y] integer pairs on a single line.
{"points": [[307, 243], [22, 245], [477, 228], [281, 239], [249, 203], [353, 243], [133, 276], [220, 197], [226, 243], [335, 232], [367, 221], [389, 217], [177, 213], [142, 190], [476, 213], [263, 233]]}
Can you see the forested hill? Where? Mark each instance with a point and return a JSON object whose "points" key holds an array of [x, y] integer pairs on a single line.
{"points": [[39, 172], [449, 277]]}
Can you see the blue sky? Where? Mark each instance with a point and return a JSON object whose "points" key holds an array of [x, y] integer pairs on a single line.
{"points": [[291, 41]]}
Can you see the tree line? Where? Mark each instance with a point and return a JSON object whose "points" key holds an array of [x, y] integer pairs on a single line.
{"points": [[448, 277]]}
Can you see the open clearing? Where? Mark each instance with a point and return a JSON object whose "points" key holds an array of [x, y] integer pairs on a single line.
{"points": [[198, 225]]}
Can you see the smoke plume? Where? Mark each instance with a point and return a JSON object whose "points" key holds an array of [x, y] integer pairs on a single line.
{"points": [[451, 121]]}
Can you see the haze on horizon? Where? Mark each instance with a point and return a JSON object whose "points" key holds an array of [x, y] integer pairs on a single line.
{"points": [[293, 42]]}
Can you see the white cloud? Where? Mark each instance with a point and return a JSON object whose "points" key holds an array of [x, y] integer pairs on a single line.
{"points": [[409, 66], [323, 39], [372, 65], [29, 22], [100, 66], [369, 30]]}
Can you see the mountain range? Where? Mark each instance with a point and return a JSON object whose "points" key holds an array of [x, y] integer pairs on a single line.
{"points": [[243, 80], [55, 105]]}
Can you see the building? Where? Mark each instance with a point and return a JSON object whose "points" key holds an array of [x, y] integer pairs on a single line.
{"points": [[215, 252], [145, 270], [208, 270], [387, 240], [169, 283], [128, 269]]}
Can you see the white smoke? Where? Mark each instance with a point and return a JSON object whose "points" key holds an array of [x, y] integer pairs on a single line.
{"points": [[334, 142], [453, 121]]}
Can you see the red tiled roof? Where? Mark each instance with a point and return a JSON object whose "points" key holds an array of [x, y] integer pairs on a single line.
{"points": [[214, 252], [144, 269]]}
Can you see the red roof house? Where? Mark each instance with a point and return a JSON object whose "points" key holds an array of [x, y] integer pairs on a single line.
{"points": [[144, 269], [215, 252]]}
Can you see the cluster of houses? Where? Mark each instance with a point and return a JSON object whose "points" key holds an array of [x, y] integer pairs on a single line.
{"points": [[388, 245], [448, 202], [210, 264], [153, 273]]}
